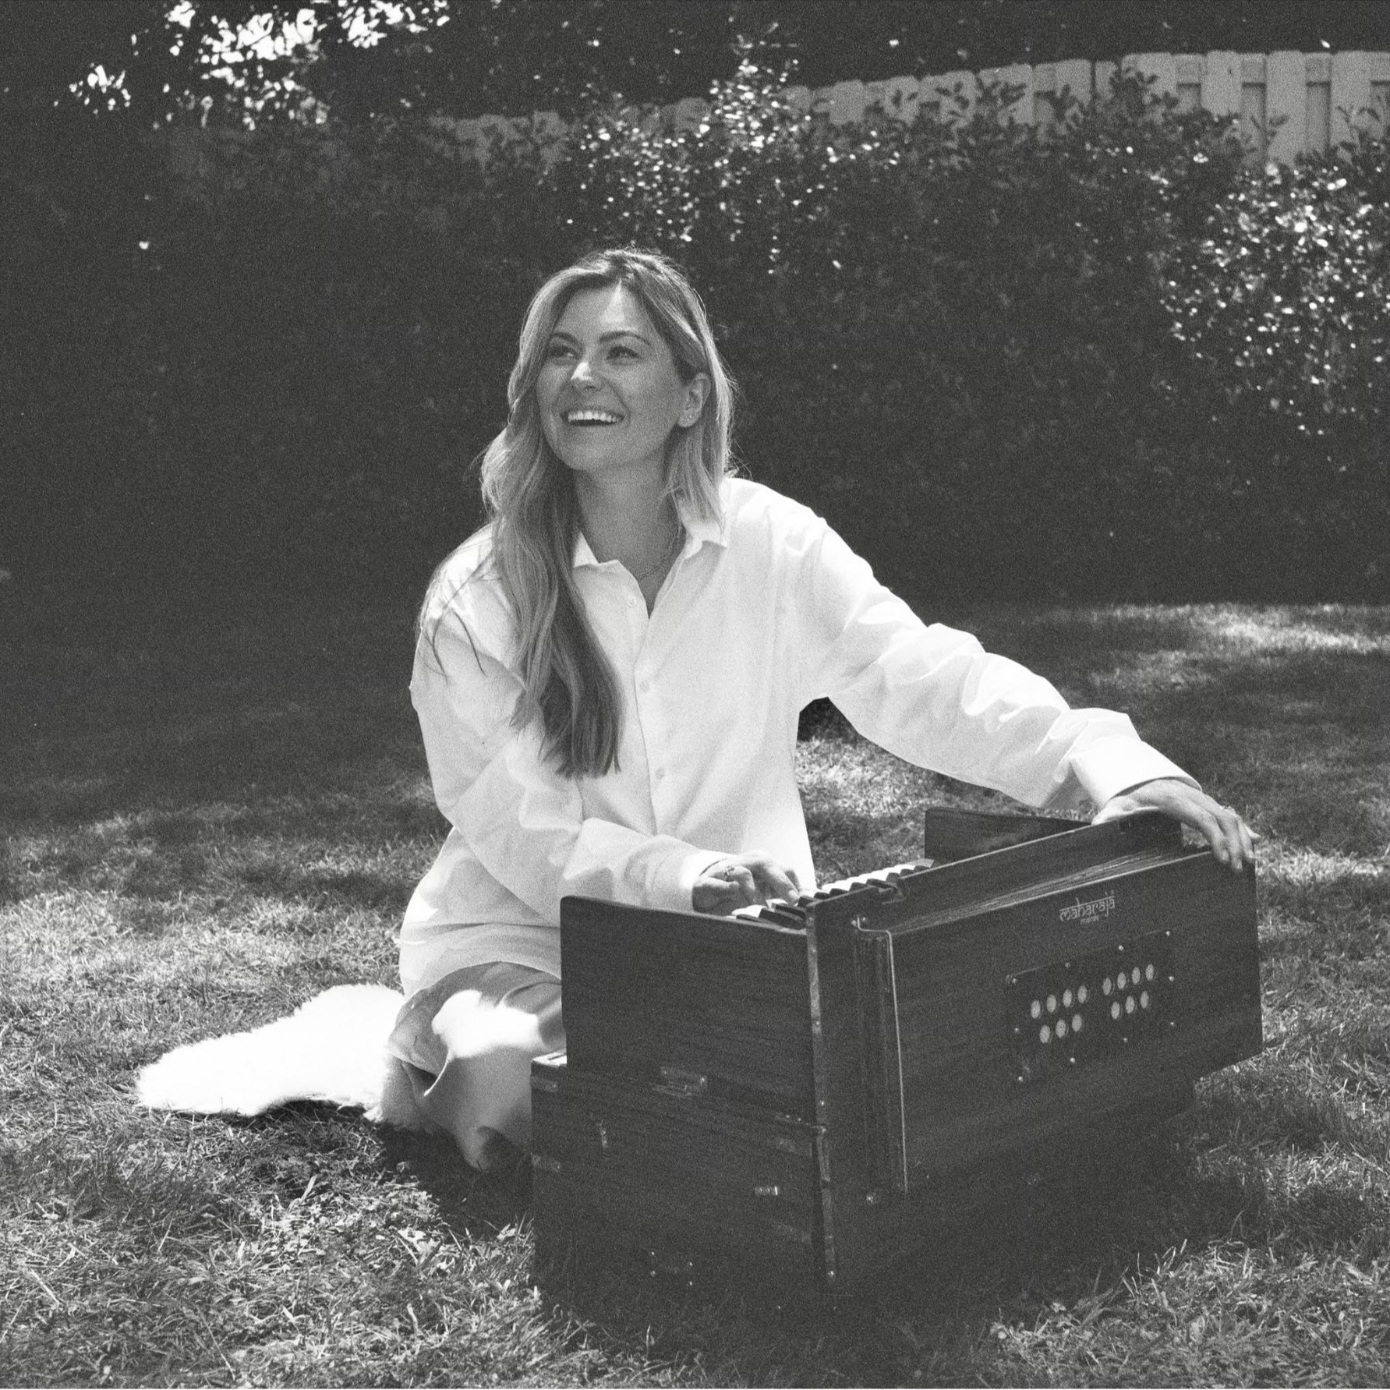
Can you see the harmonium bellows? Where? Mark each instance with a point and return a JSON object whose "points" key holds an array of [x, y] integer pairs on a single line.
{"points": [[813, 1092]]}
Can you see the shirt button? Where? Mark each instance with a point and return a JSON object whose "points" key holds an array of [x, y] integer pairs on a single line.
{"points": [[660, 773], [645, 686]]}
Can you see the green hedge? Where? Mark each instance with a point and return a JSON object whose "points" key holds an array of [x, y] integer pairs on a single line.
{"points": [[1111, 363], [1010, 364], [285, 385], [1283, 307]]}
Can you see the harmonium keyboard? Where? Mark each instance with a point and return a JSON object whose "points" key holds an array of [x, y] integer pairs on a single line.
{"points": [[810, 1094]]}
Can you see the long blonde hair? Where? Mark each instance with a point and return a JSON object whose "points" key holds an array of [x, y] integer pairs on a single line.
{"points": [[530, 501]]}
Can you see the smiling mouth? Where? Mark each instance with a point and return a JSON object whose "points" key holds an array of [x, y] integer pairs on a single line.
{"points": [[591, 417]]}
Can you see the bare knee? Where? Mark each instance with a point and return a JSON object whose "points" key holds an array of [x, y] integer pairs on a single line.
{"points": [[484, 1090]]}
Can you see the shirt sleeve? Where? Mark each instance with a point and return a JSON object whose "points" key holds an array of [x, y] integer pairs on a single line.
{"points": [[522, 820], [933, 696]]}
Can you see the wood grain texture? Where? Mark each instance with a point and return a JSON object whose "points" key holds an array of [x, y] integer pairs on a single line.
{"points": [[962, 1097], [954, 833], [682, 993], [668, 1173], [824, 1096]]}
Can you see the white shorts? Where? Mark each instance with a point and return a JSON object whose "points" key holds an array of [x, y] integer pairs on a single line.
{"points": [[465, 1045]]}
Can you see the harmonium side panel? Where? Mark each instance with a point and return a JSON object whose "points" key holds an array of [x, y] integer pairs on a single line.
{"points": [[1020, 1024], [620, 1166], [699, 1005]]}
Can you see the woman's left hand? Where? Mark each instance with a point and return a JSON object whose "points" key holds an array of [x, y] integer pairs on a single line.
{"points": [[1231, 840]]}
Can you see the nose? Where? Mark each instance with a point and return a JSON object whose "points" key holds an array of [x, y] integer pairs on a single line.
{"points": [[583, 374]]}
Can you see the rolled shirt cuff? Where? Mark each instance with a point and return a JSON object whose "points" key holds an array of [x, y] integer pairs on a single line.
{"points": [[689, 868], [1114, 765]]}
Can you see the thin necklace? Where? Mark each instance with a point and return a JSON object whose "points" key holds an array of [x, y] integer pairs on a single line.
{"points": [[665, 557]]}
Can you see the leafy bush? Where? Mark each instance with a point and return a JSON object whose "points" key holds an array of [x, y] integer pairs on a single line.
{"points": [[1285, 302], [1007, 361], [1004, 363], [287, 381]]}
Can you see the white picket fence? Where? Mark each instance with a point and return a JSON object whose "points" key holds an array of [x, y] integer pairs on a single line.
{"points": [[1288, 103]]}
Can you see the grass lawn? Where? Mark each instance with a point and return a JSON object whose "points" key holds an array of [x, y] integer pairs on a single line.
{"points": [[211, 814]]}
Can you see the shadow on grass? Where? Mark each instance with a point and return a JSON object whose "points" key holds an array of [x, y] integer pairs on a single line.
{"points": [[1264, 1107], [340, 888], [178, 710], [49, 1180], [1191, 1191], [276, 781], [926, 1319], [181, 767], [1284, 711], [473, 1204]]}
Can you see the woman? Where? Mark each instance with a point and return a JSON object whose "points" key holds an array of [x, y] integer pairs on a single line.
{"points": [[609, 675]]}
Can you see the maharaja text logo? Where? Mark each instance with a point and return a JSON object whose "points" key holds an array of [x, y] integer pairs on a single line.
{"points": [[1083, 912]]}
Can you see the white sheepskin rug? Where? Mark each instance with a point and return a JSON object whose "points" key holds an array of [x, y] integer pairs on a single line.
{"points": [[333, 1049]]}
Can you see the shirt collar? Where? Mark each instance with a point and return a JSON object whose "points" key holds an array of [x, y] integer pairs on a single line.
{"points": [[699, 530]]}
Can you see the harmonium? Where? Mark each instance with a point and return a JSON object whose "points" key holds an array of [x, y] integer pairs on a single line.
{"points": [[810, 1094]]}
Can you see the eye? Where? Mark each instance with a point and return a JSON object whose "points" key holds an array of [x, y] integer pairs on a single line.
{"points": [[622, 350], [557, 350]]}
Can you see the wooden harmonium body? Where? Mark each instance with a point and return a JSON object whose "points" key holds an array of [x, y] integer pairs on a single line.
{"points": [[812, 1094]]}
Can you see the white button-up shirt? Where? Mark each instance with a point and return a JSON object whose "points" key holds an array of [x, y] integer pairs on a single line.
{"points": [[762, 612]]}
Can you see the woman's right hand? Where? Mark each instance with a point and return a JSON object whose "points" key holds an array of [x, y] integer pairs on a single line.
{"points": [[741, 880]]}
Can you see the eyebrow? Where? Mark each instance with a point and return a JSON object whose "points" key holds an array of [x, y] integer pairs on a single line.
{"points": [[605, 337]]}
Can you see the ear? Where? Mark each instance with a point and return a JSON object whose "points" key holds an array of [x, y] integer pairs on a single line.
{"points": [[696, 394]]}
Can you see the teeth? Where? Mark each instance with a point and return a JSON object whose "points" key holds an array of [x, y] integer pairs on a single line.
{"points": [[596, 417]]}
